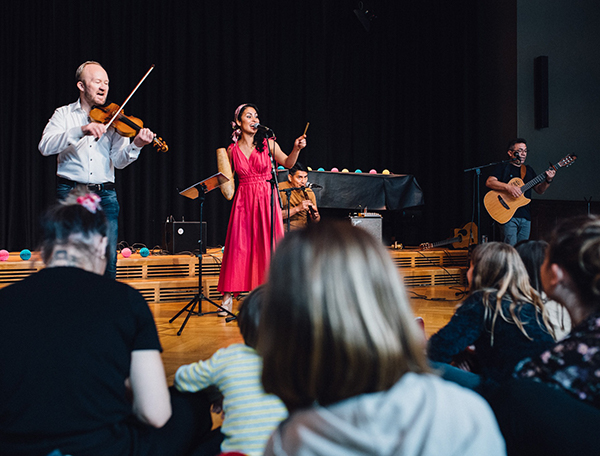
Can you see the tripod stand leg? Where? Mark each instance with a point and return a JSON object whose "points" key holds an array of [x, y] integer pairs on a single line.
{"points": [[191, 303], [190, 312]]}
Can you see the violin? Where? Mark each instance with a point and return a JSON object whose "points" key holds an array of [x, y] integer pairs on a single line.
{"points": [[127, 126]]}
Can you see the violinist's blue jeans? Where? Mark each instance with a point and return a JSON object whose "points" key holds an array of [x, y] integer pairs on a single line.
{"points": [[110, 206]]}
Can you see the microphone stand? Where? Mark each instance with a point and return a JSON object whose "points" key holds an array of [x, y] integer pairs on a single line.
{"points": [[274, 186], [288, 192], [477, 170]]}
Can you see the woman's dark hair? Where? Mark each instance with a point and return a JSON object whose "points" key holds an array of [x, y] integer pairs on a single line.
{"points": [[533, 253], [575, 246], [260, 135], [249, 316], [69, 218]]}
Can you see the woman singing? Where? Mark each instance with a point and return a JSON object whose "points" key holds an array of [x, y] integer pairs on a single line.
{"points": [[248, 244]]}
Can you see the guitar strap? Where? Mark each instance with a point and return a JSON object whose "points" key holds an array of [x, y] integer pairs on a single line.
{"points": [[523, 172]]}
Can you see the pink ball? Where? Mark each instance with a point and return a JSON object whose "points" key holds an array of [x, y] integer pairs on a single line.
{"points": [[126, 252], [372, 172], [335, 170], [3, 255]]}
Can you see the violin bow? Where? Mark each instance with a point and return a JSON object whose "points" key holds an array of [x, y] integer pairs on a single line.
{"points": [[130, 95]]}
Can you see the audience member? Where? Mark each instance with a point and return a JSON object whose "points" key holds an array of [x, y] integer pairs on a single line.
{"points": [[533, 253], [571, 275], [552, 406], [503, 317], [342, 349], [81, 366], [250, 414]]}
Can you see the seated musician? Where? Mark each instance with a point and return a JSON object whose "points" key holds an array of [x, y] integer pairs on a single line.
{"points": [[302, 207]]}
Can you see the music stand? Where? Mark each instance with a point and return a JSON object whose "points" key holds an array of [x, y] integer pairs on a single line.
{"points": [[199, 191]]}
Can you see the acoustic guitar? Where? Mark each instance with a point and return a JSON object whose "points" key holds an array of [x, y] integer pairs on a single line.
{"points": [[502, 206], [463, 237]]}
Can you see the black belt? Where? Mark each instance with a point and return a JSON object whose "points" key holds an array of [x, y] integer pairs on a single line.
{"points": [[90, 187]]}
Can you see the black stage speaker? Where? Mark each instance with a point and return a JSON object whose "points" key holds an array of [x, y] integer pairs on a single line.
{"points": [[368, 222], [540, 88], [183, 236]]}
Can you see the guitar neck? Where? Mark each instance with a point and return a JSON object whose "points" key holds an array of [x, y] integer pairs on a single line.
{"points": [[446, 242], [537, 179], [533, 182]]}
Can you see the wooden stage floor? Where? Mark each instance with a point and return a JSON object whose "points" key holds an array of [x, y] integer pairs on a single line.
{"points": [[203, 335]]}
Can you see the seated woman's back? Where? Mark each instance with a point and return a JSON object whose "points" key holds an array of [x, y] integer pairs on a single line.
{"points": [[504, 330], [497, 353]]}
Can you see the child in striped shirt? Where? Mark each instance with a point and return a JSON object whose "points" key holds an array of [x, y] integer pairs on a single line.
{"points": [[251, 415]]}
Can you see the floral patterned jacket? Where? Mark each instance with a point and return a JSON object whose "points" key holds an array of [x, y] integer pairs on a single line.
{"points": [[573, 364]]}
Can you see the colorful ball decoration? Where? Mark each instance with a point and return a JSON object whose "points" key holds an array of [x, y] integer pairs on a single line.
{"points": [[144, 252], [280, 167], [358, 171], [334, 170], [345, 170], [321, 169], [309, 168], [126, 252], [385, 171], [373, 171], [3, 255], [25, 254]]}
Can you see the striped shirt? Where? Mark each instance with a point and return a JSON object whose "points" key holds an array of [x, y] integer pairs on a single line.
{"points": [[250, 414]]}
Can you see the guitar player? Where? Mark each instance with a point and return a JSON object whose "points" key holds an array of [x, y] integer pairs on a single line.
{"points": [[519, 226]]}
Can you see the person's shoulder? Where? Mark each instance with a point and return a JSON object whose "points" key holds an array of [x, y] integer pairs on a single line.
{"points": [[236, 350], [444, 396]]}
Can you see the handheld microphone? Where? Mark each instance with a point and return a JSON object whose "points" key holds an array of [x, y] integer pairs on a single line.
{"points": [[311, 185], [260, 127]]}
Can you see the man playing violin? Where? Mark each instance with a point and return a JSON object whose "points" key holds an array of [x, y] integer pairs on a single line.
{"points": [[87, 152], [302, 202]]}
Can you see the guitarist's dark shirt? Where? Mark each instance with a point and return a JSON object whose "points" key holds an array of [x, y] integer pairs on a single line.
{"points": [[504, 172]]}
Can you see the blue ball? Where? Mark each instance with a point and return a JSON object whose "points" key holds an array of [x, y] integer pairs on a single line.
{"points": [[144, 251], [358, 171], [321, 169], [280, 167], [25, 254]]}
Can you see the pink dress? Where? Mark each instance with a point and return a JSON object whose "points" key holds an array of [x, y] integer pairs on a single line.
{"points": [[248, 244]]}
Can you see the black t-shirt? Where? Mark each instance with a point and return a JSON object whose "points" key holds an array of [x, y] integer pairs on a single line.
{"points": [[504, 172], [66, 337]]}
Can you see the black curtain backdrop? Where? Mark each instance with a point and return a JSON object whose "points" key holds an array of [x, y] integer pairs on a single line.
{"points": [[400, 97]]}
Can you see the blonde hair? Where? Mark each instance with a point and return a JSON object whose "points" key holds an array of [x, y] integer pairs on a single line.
{"points": [[499, 272], [81, 67], [336, 321]]}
